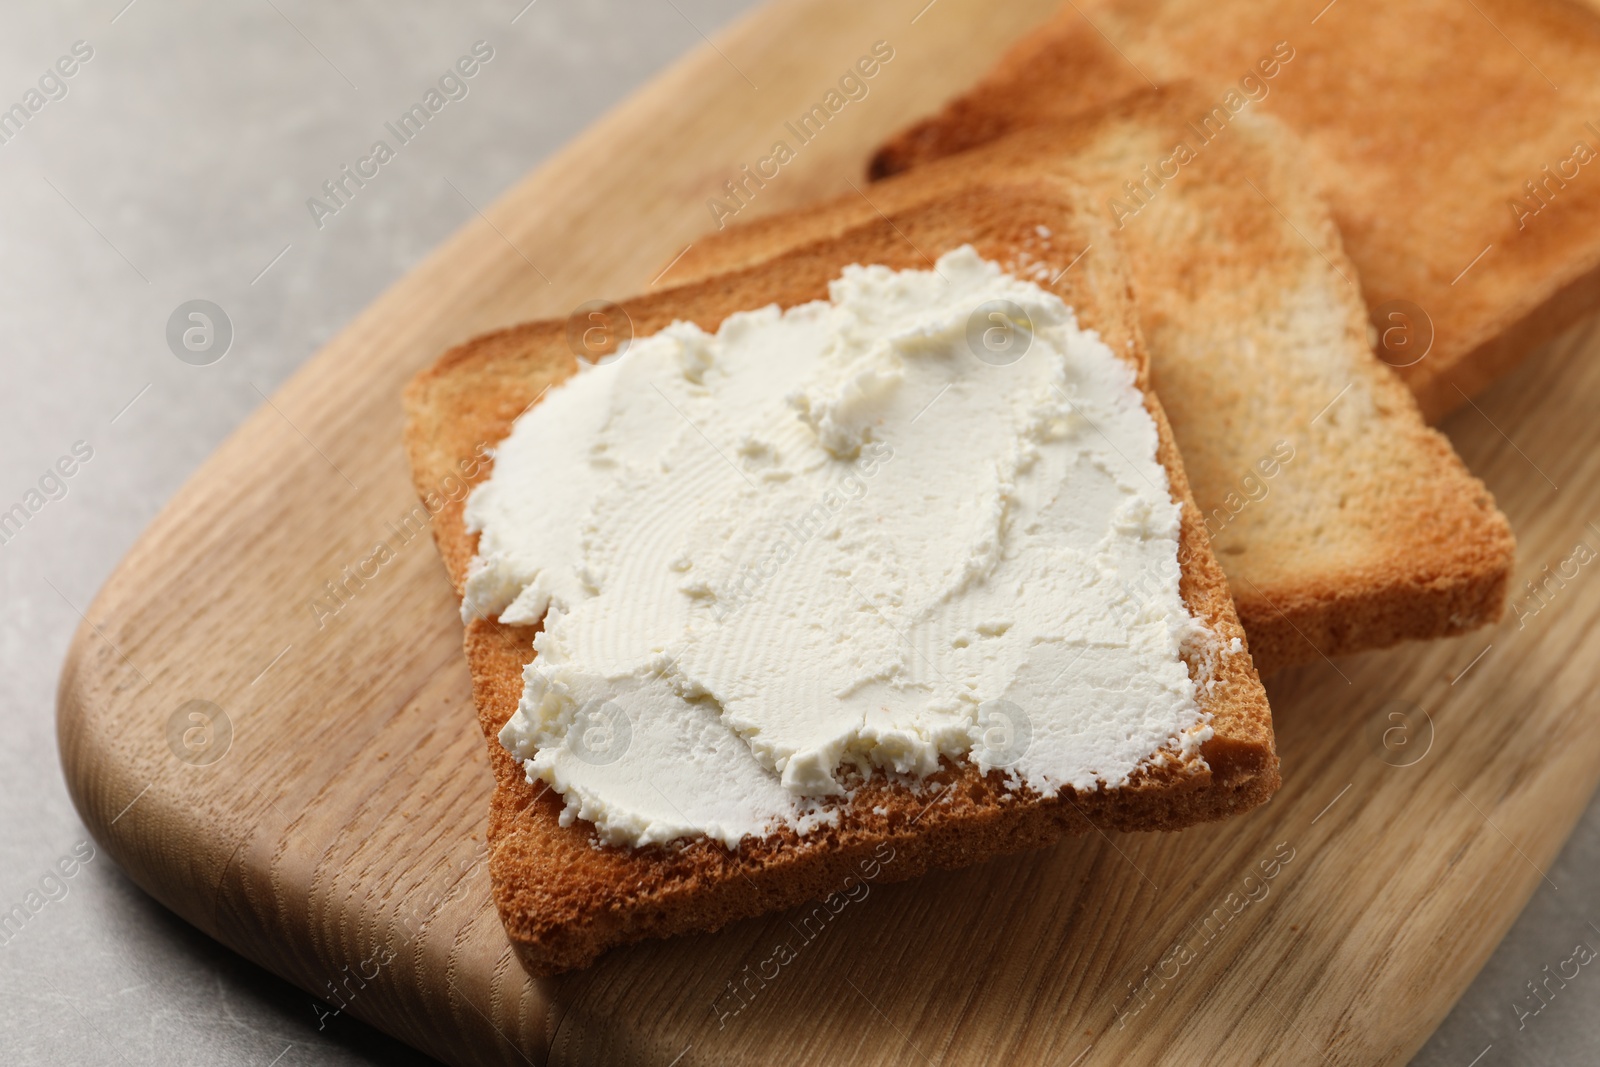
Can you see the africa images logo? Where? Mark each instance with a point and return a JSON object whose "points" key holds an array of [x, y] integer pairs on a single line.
{"points": [[453, 84]]}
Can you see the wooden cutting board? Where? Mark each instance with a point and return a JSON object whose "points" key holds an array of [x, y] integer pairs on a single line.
{"points": [[310, 787]]}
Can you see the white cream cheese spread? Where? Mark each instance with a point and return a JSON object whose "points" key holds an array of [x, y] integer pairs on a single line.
{"points": [[921, 518]]}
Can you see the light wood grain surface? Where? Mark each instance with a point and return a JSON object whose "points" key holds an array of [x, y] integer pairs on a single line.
{"points": [[337, 836]]}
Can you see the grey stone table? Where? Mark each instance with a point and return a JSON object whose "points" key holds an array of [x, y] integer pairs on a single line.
{"points": [[174, 163]]}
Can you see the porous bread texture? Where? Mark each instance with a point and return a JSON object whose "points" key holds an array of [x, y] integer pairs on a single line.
{"points": [[1373, 531], [1425, 121], [563, 898]]}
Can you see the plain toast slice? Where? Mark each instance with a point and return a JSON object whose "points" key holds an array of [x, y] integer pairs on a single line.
{"points": [[563, 898], [1342, 521], [1456, 141]]}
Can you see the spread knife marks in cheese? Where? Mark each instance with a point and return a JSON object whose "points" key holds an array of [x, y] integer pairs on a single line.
{"points": [[832, 542]]}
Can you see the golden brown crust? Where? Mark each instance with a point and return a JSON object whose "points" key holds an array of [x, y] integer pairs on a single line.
{"points": [[563, 899], [1424, 119], [1380, 534]]}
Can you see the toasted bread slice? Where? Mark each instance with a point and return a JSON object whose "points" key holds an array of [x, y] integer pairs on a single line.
{"points": [[564, 898], [1458, 172], [1342, 521]]}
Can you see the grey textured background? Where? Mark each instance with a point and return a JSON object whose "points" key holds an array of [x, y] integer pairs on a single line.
{"points": [[177, 167]]}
